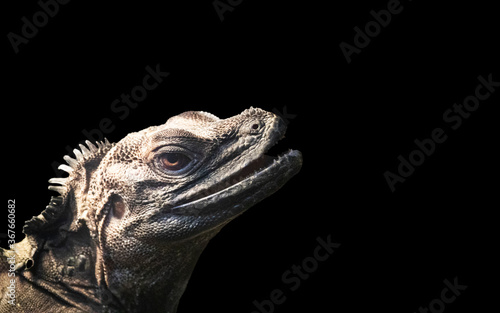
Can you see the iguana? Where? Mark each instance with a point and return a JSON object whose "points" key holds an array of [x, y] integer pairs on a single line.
{"points": [[132, 218]]}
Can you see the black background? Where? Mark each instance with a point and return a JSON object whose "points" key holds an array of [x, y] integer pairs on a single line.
{"points": [[351, 121]]}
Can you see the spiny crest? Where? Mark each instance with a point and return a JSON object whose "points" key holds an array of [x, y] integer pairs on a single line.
{"points": [[83, 158], [79, 169]]}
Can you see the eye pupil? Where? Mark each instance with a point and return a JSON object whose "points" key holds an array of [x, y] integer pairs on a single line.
{"points": [[172, 158], [174, 161]]}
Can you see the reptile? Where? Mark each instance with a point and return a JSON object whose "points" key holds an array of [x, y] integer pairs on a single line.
{"points": [[131, 218]]}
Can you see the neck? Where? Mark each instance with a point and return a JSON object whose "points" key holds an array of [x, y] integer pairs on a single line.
{"points": [[68, 274], [156, 280]]}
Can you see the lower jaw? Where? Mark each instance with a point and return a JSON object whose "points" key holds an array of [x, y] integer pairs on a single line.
{"points": [[240, 196]]}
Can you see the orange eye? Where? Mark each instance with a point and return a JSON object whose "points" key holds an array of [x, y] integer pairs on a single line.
{"points": [[174, 161]]}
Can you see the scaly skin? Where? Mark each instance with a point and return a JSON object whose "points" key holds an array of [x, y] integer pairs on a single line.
{"points": [[132, 218]]}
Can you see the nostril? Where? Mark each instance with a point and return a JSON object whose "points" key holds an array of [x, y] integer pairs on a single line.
{"points": [[28, 264], [255, 126]]}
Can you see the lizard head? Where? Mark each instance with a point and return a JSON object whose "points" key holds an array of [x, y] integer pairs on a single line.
{"points": [[163, 192], [191, 175], [153, 200]]}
